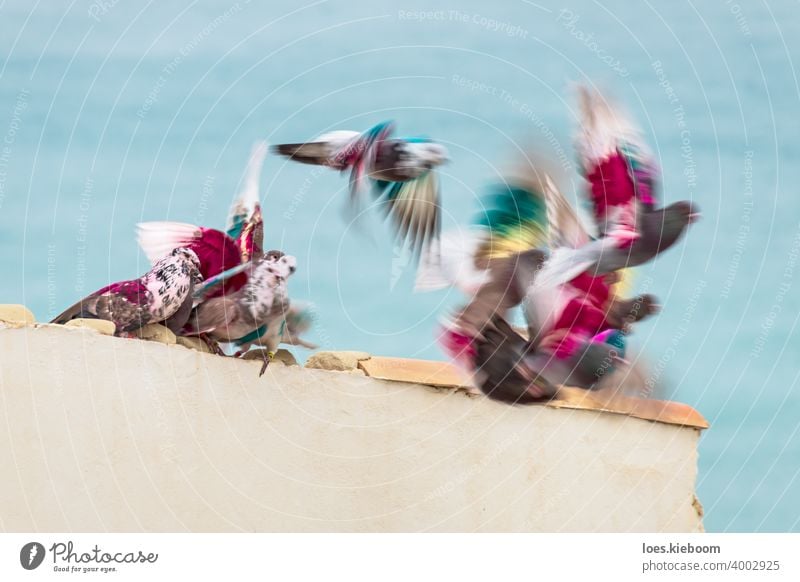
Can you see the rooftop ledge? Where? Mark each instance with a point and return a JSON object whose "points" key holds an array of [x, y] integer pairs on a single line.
{"points": [[163, 437]]}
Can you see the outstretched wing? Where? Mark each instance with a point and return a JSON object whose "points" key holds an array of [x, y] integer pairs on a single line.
{"points": [[414, 209], [620, 170], [215, 249], [515, 219], [359, 155], [245, 224], [318, 152], [451, 262]]}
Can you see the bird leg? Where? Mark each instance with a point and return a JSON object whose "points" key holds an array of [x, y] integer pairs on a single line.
{"points": [[624, 312], [212, 344], [267, 359]]}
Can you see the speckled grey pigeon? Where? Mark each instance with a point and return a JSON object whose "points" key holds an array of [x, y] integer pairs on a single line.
{"points": [[163, 293], [254, 314]]}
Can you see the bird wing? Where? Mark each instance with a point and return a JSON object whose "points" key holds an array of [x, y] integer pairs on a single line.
{"points": [[299, 320], [125, 304], [224, 283], [514, 218], [245, 224], [216, 250], [451, 262], [359, 155], [566, 227], [507, 284], [414, 208], [218, 313], [616, 163]]}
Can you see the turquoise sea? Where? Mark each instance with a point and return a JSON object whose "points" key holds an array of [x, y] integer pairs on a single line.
{"points": [[114, 112]]}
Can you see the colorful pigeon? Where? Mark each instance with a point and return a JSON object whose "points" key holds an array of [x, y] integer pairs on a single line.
{"points": [[255, 314], [572, 326], [622, 179], [400, 171], [240, 281], [163, 294]]}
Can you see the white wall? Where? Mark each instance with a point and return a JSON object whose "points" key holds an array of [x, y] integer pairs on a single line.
{"points": [[101, 433]]}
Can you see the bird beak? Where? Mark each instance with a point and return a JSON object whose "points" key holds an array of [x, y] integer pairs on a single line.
{"points": [[694, 217]]}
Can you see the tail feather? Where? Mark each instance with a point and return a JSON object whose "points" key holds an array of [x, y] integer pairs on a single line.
{"points": [[76, 311], [316, 152]]}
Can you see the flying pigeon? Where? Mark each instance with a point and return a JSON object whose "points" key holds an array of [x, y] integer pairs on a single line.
{"points": [[162, 294], [400, 171], [255, 314], [506, 366], [574, 328], [622, 179]]}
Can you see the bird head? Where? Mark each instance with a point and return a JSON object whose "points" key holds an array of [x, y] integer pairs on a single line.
{"points": [[281, 264], [676, 218], [429, 153], [190, 256], [597, 359]]}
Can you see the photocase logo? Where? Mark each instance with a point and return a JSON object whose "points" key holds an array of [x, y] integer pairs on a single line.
{"points": [[31, 555]]}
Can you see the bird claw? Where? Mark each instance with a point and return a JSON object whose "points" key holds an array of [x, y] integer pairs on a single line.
{"points": [[212, 344]]}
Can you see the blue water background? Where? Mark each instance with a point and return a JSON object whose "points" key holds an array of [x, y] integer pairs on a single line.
{"points": [[113, 113]]}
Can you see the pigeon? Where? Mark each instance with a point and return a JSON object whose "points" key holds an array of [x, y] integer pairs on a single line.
{"points": [[255, 314], [509, 367], [622, 178], [229, 261], [400, 171], [164, 293], [575, 329]]}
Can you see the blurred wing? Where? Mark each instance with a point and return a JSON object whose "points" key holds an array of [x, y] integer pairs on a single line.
{"points": [[507, 284], [359, 155], [465, 330], [317, 153], [245, 224], [414, 208], [625, 283], [614, 160], [299, 320], [515, 218], [451, 262], [566, 228]]}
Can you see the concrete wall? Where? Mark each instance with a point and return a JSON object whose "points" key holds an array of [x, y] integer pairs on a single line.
{"points": [[105, 434]]}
